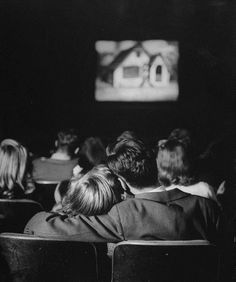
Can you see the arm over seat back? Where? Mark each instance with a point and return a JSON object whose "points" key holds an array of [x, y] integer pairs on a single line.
{"points": [[29, 258], [14, 214], [185, 261]]}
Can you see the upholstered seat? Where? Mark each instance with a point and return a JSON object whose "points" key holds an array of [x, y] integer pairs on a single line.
{"points": [[142, 261], [14, 214], [28, 258]]}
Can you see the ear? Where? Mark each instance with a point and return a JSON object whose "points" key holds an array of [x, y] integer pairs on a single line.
{"points": [[221, 189], [124, 184], [76, 151], [77, 170]]}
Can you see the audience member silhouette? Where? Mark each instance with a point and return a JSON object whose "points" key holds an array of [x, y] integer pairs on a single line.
{"points": [[125, 135], [152, 213], [92, 194], [92, 153], [61, 163], [175, 170], [15, 178]]}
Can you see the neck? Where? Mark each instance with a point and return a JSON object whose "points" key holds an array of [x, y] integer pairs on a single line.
{"points": [[60, 155], [142, 190]]}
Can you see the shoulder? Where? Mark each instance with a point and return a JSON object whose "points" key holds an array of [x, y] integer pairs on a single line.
{"points": [[40, 160], [36, 222]]}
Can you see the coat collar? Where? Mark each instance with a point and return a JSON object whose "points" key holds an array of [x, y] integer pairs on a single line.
{"points": [[164, 196]]}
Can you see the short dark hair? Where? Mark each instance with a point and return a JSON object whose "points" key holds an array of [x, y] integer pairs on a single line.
{"points": [[123, 137], [133, 161], [174, 163], [67, 140], [182, 135]]}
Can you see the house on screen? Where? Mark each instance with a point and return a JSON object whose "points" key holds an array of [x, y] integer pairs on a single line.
{"points": [[159, 73], [129, 67], [135, 67]]}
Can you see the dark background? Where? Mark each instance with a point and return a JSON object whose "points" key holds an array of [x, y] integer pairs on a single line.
{"points": [[48, 66]]}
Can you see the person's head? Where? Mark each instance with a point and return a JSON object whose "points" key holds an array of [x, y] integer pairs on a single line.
{"points": [[123, 137], [13, 161], [67, 142], [92, 153], [174, 163], [94, 193], [134, 163], [181, 134], [127, 134]]}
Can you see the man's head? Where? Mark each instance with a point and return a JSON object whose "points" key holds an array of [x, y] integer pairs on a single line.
{"points": [[135, 163], [67, 142], [123, 137]]}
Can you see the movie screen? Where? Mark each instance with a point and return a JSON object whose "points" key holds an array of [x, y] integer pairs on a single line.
{"points": [[134, 71]]}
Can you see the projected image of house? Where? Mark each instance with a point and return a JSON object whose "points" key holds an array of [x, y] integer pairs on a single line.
{"points": [[138, 74]]}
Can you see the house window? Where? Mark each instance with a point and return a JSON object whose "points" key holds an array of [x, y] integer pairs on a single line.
{"points": [[158, 73], [131, 72]]}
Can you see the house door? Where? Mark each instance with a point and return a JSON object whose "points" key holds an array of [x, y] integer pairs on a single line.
{"points": [[159, 73]]}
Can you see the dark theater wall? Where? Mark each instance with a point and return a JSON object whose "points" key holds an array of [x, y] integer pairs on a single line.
{"points": [[48, 65]]}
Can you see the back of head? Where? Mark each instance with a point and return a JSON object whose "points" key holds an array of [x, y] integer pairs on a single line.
{"points": [[174, 163], [67, 140], [93, 194], [127, 134], [93, 152], [134, 162], [13, 160], [181, 134], [123, 137]]}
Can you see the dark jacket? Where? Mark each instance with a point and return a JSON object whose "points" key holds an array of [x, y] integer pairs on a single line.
{"points": [[168, 215]]}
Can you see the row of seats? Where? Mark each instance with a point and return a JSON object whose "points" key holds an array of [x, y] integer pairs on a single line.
{"points": [[26, 256], [29, 258]]}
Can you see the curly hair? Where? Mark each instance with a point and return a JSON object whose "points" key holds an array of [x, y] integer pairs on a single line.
{"points": [[174, 163], [133, 161]]}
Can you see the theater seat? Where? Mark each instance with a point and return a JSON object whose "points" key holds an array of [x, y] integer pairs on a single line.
{"points": [[27, 258], [185, 261], [14, 214]]}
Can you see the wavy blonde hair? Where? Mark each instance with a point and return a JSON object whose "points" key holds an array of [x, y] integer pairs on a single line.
{"points": [[94, 193], [13, 160]]}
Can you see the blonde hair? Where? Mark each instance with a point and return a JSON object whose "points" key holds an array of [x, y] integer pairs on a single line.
{"points": [[13, 159], [94, 193]]}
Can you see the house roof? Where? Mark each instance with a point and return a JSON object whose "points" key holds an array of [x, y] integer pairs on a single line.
{"points": [[124, 54], [153, 58]]}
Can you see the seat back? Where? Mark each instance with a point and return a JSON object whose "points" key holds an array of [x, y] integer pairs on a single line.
{"points": [[29, 258], [45, 193], [14, 214], [139, 261]]}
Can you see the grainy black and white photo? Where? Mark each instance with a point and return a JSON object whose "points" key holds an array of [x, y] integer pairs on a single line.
{"points": [[118, 141]]}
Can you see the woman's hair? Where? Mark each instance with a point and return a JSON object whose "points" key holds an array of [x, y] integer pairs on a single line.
{"points": [[13, 161], [94, 193], [174, 163]]}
